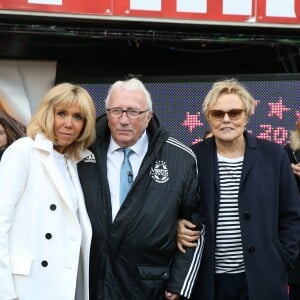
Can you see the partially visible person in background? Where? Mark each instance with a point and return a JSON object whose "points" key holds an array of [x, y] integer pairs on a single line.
{"points": [[251, 205], [10, 130], [293, 150], [45, 232]]}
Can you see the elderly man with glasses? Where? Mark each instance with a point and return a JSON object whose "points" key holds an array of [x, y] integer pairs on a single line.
{"points": [[138, 184]]}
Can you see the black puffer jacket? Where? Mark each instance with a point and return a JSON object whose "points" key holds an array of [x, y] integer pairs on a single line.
{"points": [[135, 257]]}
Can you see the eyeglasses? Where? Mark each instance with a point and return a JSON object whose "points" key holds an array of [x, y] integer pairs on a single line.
{"points": [[218, 115], [130, 112]]}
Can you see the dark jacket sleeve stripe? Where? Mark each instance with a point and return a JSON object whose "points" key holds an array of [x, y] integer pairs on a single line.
{"points": [[193, 270]]}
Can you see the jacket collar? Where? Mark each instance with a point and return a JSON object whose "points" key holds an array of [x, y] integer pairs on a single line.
{"points": [[42, 143]]}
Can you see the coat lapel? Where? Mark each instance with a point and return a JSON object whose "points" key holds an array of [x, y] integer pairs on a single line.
{"points": [[210, 177], [57, 179], [46, 151], [249, 156]]}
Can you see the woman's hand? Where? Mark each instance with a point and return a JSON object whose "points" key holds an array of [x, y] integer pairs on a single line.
{"points": [[171, 296], [186, 234]]}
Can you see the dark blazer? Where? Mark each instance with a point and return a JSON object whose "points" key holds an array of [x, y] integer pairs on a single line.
{"points": [[269, 216], [294, 275]]}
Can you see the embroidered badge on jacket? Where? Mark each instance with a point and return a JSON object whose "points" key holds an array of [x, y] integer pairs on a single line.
{"points": [[90, 159], [160, 172]]}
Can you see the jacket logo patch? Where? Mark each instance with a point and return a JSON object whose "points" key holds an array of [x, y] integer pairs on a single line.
{"points": [[160, 172], [90, 159]]}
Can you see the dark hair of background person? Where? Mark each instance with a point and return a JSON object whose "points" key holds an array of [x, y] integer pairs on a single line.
{"points": [[13, 130]]}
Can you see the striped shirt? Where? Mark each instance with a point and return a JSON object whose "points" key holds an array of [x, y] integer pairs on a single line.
{"points": [[229, 252]]}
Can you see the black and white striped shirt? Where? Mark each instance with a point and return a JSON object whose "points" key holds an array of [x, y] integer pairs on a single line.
{"points": [[229, 252]]}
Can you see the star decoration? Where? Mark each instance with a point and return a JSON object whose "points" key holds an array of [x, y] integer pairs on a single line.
{"points": [[192, 121], [276, 109], [197, 140]]}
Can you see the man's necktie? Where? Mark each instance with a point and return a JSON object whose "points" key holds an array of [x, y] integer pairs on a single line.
{"points": [[126, 175]]}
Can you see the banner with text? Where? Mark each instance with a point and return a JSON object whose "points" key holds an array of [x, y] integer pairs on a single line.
{"points": [[253, 12]]}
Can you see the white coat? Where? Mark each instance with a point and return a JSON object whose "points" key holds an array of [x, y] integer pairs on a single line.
{"points": [[41, 238]]}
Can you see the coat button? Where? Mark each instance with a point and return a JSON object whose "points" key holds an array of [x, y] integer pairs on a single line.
{"points": [[247, 215], [44, 263], [48, 236], [53, 207], [251, 248]]}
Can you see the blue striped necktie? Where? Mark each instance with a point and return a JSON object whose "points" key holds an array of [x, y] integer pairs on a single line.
{"points": [[126, 175]]}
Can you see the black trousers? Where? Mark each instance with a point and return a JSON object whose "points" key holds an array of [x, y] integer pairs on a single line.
{"points": [[231, 287]]}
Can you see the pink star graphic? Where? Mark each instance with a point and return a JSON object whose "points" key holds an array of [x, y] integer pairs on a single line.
{"points": [[276, 109], [192, 121], [197, 140], [297, 114]]}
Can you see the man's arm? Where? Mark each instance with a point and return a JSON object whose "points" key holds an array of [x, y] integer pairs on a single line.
{"points": [[185, 266]]}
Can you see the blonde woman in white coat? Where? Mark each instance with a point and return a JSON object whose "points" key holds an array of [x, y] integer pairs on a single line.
{"points": [[45, 231]]}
